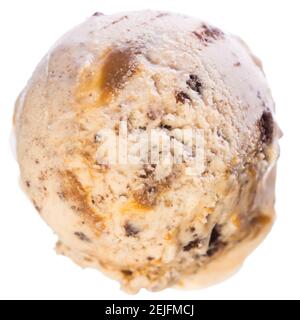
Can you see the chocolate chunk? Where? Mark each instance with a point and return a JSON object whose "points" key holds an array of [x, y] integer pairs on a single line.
{"points": [[28, 184], [37, 208], [207, 34], [192, 245], [143, 176], [182, 97], [212, 32], [131, 230], [82, 236], [238, 64], [194, 83], [98, 14], [215, 236], [147, 173], [211, 251], [163, 14], [151, 193], [165, 126], [119, 20], [266, 127], [149, 170], [215, 243]]}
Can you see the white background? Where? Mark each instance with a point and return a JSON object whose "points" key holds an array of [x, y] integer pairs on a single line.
{"points": [[29, 268]]}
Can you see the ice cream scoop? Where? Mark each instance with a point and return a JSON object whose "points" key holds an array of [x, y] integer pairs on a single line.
{"points": [[101, 94]]}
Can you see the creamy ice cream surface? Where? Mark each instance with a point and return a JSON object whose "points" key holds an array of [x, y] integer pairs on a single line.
{"points": [[150, 225]]}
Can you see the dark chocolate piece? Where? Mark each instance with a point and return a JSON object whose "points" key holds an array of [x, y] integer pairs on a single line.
{"points": [[215, 243], [98, 14], [194, 83], [131, 230], [182, 97], [119, 20], [207, 33], [192, 245], [266, 127], [165, 126], [82, 236]]}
